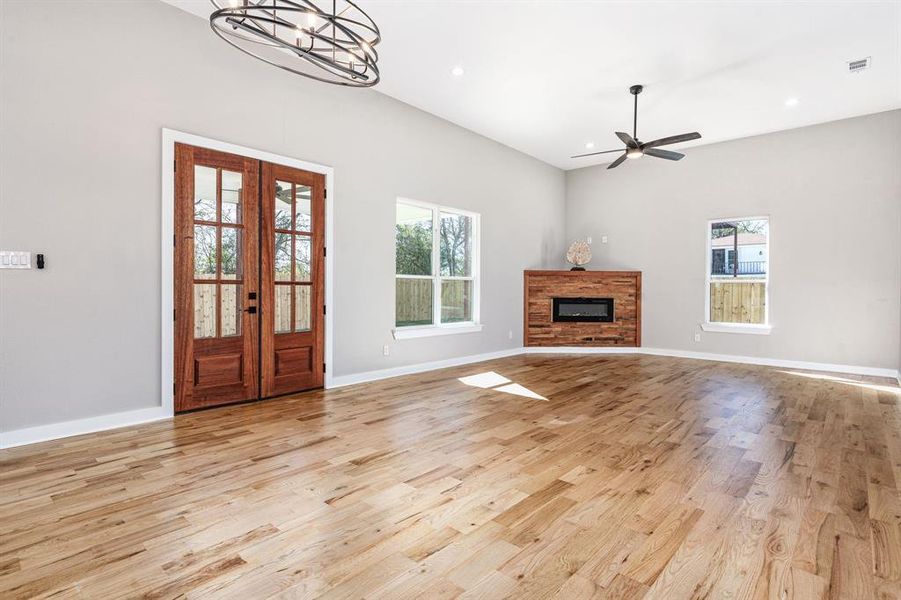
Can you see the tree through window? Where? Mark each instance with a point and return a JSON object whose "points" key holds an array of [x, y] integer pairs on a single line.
{"points": [[435, 265]]}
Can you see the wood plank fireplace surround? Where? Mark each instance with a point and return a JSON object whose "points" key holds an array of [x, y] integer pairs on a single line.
{"points": [[582, 308]]}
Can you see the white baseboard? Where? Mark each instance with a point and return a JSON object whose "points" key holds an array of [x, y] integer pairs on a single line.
{"points": [[53, 431], [343, 380], [579, 350], [732, 358], [31, 435], [775, 362]]}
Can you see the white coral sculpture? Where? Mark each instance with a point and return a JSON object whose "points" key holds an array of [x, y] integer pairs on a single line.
{"points": [[579, 253]]}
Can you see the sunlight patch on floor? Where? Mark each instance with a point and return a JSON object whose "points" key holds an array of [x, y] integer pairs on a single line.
{"points": [[844, 381], [488, 379], [518, 390], [499, 383]]}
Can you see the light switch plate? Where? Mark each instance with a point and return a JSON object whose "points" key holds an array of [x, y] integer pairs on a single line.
{"points": [[15, 259]]}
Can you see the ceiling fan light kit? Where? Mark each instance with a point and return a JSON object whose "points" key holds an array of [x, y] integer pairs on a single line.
{"points": [[326, 40], [635, 148]]}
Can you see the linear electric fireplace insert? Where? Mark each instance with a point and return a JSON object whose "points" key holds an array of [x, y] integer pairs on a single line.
{"points": [[583, 309]]}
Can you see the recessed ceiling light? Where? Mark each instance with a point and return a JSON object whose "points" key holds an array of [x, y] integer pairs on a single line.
{"points": [[791, 102], [589, 145], [457, 71]]}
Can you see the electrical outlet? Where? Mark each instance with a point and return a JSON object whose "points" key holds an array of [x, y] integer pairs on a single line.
{"points": [[697, 337], [588, 239], [386, 350], [603, 239]]}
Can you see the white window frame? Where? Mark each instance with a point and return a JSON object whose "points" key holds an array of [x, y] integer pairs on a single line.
{"points": [[752, 328], [437, 327]]}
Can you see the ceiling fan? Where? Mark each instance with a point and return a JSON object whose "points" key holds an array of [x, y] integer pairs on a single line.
{"points": [[636, 149]]}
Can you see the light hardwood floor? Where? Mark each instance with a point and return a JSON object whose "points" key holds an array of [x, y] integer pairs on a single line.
{"points": [[638, 477]]}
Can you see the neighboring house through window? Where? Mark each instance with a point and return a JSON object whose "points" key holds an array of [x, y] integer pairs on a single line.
{"points": [[436, 270], [738, 275]]}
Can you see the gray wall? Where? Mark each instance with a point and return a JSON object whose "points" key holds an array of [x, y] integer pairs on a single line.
{"points": [[85, 92], [833, 194]]}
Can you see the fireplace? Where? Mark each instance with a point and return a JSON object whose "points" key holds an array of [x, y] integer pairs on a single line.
{"points": [[579, 310]]}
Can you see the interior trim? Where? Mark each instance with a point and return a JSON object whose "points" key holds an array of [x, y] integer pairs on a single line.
{"points": [[343, 380], [775, 362], [406, 333], [743, 328], [54, 431]]}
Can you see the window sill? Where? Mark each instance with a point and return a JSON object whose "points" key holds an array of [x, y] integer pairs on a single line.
{"points": [[407, 333], [737, 328]]}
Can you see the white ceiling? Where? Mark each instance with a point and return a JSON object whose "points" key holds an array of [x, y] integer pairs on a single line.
{"points": [[547, 77]]}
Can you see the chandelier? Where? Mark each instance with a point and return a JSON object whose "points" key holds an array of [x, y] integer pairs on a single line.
{"points": [[335, 44]]}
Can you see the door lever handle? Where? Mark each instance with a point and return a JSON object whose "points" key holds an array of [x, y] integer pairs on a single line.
{"points": [[252, 310]]}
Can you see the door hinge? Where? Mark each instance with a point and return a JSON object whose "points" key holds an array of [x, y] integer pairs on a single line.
{"points": [[324, 251], [173, 388], [173, 314], [323, 309], [325, 192], [323, 367], [174, 237], [174, 165]]}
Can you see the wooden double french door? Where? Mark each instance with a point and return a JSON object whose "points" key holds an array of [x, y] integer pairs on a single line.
{"points": [[249, 273]]}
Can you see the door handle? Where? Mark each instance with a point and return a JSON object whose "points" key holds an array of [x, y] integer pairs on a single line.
{"points": [[252, 310]]}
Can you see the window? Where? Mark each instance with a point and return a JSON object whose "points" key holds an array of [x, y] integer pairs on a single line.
{"points": [[738, 275], [436, 270]]}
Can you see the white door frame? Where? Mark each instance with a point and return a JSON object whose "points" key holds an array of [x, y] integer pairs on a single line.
{"points": [[167, 231]]}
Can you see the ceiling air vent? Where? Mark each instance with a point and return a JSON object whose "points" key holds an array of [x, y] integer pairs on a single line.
{"points": [[856, 66]]}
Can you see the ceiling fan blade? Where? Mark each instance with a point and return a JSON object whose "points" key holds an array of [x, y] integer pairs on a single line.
{"points": [[667, 154], [673, 139], [617, 162], [627, 139], [593, 153]]}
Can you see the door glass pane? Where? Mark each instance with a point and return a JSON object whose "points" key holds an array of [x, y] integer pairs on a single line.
{"points": [[282, 205], [413, 240], [283, 257], [204, 193], [231, 253], [204, 252], [302, 205], [204, 310], [231, 309], [302, 310], [302, 258], [456, 301], [413, 302], [282, 308], [231, 197], [456, 245]]}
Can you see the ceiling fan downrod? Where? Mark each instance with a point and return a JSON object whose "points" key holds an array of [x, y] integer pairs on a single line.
{"points": [[635, 90]]}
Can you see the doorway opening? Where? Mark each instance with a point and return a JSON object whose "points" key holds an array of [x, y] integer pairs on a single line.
{"points": [[249, 276]]}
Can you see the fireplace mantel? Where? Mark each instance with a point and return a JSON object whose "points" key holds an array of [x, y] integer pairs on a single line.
{"points": [[611, 317]]}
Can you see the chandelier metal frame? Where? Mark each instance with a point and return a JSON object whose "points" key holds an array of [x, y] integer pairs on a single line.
{"points": [[334, 46]]}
